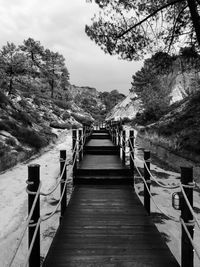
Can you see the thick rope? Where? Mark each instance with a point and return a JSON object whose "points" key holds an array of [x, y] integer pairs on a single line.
{"points": [[189, 206], [32, 242], [27, 222], [190, 238], [168, 216]]}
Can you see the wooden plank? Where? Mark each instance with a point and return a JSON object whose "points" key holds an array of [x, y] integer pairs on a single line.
{"points": [[100, 142], [97, 162], [107, 226]]}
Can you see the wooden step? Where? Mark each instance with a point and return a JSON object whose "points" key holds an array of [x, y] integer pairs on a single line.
{"points": [[102, 179], [100, 131], [103, 172], [104, 150], [100, 136]]}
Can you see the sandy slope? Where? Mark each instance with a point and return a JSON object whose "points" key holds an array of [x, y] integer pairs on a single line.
{"points": [[13, 200]]}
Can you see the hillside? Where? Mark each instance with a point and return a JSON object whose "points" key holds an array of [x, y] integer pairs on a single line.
{"points": [[29, 123], [180, 79], [178, 129], [126, 109]]}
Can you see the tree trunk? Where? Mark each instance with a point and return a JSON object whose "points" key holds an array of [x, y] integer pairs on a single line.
{"points": [[10, 86], [195, 17], [52, 88]]}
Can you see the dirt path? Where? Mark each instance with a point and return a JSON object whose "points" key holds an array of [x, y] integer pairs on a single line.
{"points": [[13, 200]]}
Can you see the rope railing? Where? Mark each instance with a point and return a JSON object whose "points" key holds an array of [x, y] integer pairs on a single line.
{"points": [[118, 135], [152, 198], [26, 224], [190, 238], [29, 222]]}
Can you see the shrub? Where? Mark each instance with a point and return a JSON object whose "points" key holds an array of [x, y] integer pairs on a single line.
{"points": [[63, 104], [126, 120], [22, 117], [57, 125], [10, 141], [37, 101], [81, 119], [9, 126], [4, 100], [23, 103], [31, 138], [66, 115]]}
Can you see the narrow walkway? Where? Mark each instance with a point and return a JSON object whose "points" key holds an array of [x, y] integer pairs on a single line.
{"points": [[105, 224]]}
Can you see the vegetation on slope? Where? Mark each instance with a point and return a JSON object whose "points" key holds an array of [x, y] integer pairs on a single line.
{"points": [[179, 128]]}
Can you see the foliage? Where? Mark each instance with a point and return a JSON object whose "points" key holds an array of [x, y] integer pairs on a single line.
{"points": [[4, 100], [62, 104], [110, 99], [12, 65], [23, 117], [135, 28], [150, 86], [30, 63], [31, 138]]}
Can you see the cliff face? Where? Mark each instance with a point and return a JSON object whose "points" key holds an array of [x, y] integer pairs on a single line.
{"points": [[182, 80], [79, 90], [128, 108]]}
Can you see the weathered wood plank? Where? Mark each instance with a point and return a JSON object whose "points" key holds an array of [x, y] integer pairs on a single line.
{"points": [[111, 228], [106, 225]]}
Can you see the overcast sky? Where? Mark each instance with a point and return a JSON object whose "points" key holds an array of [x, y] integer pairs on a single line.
{"points": [[59, 25]]}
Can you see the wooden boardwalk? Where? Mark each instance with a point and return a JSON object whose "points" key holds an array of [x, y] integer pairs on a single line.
{"points": [[105, 224]]}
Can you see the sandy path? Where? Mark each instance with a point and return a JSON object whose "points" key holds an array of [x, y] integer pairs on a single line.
{"points": [[13, 200]]}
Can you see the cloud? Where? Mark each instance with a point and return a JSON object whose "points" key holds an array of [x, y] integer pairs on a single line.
{"points": [[59, 25]]}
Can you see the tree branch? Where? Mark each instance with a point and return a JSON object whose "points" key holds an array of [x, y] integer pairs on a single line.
{"points": [[174, 27], [149, 16]]}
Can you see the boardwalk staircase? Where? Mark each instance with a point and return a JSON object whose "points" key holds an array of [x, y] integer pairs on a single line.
{"points": [[105, 224]]}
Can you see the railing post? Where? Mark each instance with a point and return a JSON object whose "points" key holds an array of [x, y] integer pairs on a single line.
{"points": [[74, 147], [147, 198], [124, 147], [119, 139], [187, 253], [33, 185], [63, 172], [80, 145], [131, 145]]}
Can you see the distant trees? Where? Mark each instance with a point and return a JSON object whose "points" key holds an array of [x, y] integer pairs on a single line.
{"points": [[31, 61], [110, 99]]}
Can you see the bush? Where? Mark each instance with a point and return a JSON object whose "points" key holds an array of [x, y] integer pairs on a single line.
{"points": [[81, 119], [9, 126], [23, 103], [31, 138], [4, 100], [10, 141], [22, 117], [57, 125], [62, 104], [37, 101], [126, 120], [66, 115]]}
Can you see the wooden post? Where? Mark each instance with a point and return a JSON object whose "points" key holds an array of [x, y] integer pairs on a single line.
{"points": [[119, 140], [74, 147], [124, 147], [147, 198], [33, 185], [187, 253], [131, 145], [80, 145], [62, 184]]}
